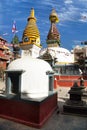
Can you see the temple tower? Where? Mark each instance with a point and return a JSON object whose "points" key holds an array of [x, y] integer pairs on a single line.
{"points": [[31, 37], [53, 38]]}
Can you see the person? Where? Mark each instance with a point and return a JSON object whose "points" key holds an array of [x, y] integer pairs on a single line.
{"points": [[80, 71], [81, 81]]}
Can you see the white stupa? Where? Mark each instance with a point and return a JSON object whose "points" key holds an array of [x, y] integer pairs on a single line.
{"points": [[54, 50], [34, 81], [29, 97], [62, 55]]}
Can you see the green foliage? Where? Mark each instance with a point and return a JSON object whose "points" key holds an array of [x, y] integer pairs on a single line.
{"points": [[15, 40]]}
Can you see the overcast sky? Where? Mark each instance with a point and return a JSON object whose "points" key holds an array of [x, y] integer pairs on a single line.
{"points": [[72, 15]]}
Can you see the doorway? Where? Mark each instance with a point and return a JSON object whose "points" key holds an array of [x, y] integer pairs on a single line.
{"points": [[14, 82], [51, 83]]}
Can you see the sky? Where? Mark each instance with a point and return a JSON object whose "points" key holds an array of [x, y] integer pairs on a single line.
{"points": [[72, 15]]}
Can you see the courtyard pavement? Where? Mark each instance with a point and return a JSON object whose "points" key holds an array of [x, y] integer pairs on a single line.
{"points": [[58, 121]]}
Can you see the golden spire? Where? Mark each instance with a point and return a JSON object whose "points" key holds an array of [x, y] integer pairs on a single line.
{"points": [[31, 33], [32, 15], [53, 16]]}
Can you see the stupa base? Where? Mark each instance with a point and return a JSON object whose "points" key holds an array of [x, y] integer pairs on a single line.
{"points": [[75, 108], [31, 113]]}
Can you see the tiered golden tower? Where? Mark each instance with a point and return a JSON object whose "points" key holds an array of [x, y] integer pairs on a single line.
{"points": [[31, 36], [31, 33]]}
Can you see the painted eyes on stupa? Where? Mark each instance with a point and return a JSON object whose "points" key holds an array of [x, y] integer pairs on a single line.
{"points": [[26, 39]]}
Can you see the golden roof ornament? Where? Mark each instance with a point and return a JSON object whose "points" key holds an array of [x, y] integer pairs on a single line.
{"points": [[53, 16], [32, 14]]}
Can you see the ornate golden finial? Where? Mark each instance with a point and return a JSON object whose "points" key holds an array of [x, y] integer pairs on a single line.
{"points": [[32, 14], [53, 16]]}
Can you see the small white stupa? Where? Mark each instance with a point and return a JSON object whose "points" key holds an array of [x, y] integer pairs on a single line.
{"points": [[31, 74]]}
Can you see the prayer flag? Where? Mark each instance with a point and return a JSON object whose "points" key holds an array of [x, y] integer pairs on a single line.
{"points": [[14, 27]]}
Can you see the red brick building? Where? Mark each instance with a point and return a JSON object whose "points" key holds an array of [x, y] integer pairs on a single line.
{"points": [[5, 55]]}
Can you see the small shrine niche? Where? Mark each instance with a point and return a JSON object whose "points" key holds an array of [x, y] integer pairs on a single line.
{"points": [[13, 80]]}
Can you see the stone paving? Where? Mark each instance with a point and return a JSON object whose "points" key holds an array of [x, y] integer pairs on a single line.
{"points": [[58, 121]]}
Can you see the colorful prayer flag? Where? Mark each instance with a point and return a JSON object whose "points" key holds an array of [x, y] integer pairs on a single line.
{"points": [[14, 27]]}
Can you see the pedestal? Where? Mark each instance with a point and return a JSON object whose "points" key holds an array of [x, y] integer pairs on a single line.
{"points": [[77, 108], [31, 113]]}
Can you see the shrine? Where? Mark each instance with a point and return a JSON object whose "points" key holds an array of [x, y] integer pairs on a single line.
{"points": [[29, 97], [75, 104]]}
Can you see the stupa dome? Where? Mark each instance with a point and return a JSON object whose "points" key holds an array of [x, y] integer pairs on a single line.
{"points": [[62, 55], [34, 79]]}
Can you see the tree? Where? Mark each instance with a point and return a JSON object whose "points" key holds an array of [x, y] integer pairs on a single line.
{"points": [[16, 48], [15, 39]]}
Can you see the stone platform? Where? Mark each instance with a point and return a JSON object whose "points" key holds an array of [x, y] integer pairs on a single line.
{"points": [[75, 108], [28, 112]]}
